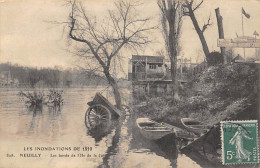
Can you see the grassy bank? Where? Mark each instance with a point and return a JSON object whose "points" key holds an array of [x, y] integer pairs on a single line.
{"points": [[215, 94]]}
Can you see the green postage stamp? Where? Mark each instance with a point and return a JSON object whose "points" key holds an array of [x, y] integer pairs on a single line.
{"points": [[239, 142]]}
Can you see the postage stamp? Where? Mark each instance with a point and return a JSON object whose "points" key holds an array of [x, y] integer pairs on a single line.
{"points": [[239, 142]]}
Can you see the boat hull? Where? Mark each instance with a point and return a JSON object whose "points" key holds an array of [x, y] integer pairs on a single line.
{"points": [[152, 135], [151, 129], [194, 126]]}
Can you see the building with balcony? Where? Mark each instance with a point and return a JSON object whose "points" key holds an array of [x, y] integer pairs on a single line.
{"points": [[147, 68], [149, 74], [152, 74]]}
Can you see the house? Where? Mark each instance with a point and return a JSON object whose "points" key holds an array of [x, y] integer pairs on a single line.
{"points": [[6, 78], [147, 68], [238, 58], [149, 75]]}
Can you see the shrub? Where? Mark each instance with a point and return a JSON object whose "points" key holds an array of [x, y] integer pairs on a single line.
{"points": [[214, 58], [55, 97], [238, 80], [37, 98], [33, 98]]}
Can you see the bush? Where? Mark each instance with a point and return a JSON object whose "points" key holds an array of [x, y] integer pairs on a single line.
{"points": [[33, 98], [55, 97], [238, 80], [215, 58], [37, 98]]}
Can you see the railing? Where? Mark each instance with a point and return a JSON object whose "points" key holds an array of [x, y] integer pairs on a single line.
{"points": [[138, 76], [141, 76]]}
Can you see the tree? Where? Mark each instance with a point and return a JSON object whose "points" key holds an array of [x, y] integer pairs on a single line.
{"points": [[171, 24], [102, 41], [33, 77], [221, 34], [189, 9]]}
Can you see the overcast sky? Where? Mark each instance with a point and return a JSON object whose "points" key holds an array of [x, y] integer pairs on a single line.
{"points": [[27, 38]]}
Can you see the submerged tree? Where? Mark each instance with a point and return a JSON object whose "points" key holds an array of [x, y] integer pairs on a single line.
{"points": [[171, 24], [190, 7], [101, 41]]}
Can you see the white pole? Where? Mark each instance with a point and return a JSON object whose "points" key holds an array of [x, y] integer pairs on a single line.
{"points": [[243, 33], [243, 25], [255, 49]]}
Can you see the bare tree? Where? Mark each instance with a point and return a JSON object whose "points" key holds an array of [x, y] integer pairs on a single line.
{"points": [[160, 53], [189, 8], [171, 26], [101, 41]]}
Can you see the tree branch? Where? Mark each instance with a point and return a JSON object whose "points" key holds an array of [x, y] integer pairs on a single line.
{"points": [[105, 39], [195, 8], [205, 26], [83, 40]]}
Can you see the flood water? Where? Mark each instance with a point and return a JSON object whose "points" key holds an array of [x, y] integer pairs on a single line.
{"points": [[56, 134]]}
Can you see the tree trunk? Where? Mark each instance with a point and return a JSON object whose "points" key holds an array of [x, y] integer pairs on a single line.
{"points": [[115, 88], [221, 33], [116, 94], [199, 32], [170, 12], [175, 91], [173, 58]]}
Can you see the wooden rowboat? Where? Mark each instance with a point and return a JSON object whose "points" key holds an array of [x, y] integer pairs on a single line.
{"points": [[195, 126], [152, 129]]}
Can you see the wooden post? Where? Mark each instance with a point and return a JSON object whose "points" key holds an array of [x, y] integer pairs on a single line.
{"points": [[257, 88], [181, 68], [221, 33], [148, 88], [135, 74], [146, 68]]}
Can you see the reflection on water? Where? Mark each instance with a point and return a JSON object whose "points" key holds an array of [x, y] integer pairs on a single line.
{"points": [[102, 130], [119, 143]]}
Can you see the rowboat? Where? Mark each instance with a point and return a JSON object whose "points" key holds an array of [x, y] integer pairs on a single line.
{"points": [[154, 131], [195, 126], [151, 129]]}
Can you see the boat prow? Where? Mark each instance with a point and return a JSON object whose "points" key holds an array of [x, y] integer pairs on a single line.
{"points": [[195, 126]]}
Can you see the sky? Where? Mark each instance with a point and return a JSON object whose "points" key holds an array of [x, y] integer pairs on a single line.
{"points": [[28, 38]]}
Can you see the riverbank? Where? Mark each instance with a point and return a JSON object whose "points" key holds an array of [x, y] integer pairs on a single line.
{"points": [[218, 93]]}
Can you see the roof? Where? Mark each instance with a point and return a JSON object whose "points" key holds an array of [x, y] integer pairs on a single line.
{"points": [[238, 58], [150, 59]]}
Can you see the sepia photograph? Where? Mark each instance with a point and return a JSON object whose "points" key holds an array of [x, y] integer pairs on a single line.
{"points": [[129, 83]]}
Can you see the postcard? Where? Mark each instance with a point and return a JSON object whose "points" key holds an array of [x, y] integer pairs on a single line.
{"points": [[129, 83]]}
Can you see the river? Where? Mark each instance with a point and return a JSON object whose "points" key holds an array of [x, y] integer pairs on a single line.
{"points": [[61, 138]]}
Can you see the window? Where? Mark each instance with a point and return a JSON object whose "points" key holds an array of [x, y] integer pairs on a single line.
{"points": [[152, 66]]}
